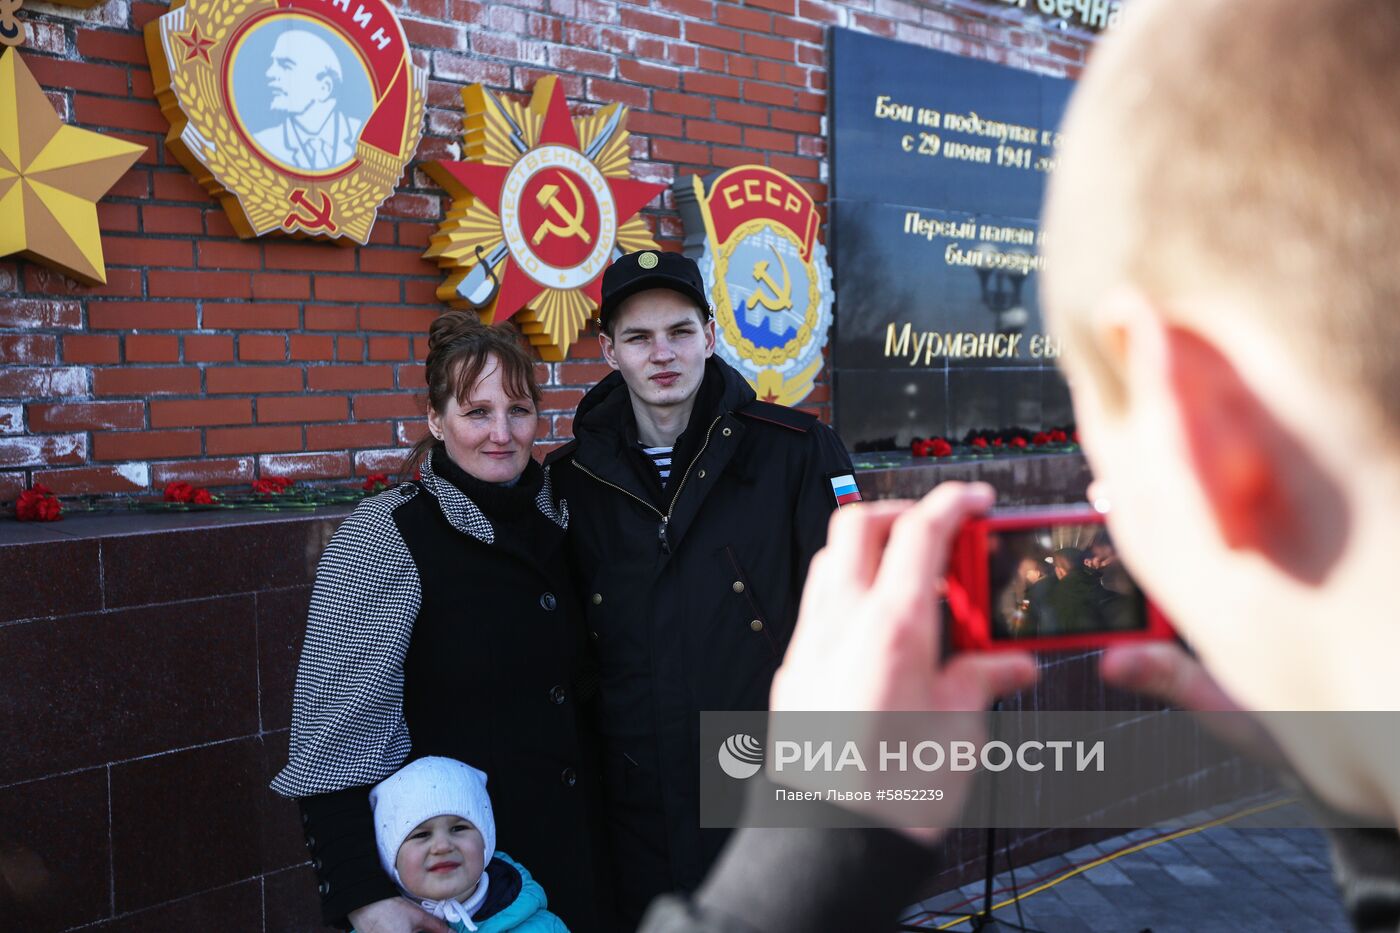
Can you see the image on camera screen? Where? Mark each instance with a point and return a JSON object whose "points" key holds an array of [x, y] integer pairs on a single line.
{"points": [[1060, 580]]}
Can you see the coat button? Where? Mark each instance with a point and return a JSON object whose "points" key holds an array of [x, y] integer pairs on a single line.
{"points": [[548, 602], [311, 842], [316, 864], [726, 432], [325, 888], [701, 474], [597, 599], [595, 635], [568, 777], [556, 695], [756, 625], [738, 586]]}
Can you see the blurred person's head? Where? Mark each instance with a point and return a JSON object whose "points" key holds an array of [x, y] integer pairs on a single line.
{"points": [[1031, 570], [1219, 234], [1067, 560]]}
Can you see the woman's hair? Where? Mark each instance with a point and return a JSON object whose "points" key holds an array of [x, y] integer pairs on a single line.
{"points": [[459, 348]]}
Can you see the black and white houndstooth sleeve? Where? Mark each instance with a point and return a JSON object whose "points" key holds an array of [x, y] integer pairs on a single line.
{"points": [[348, 725]]}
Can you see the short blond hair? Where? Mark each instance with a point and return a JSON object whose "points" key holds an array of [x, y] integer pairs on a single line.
{"points": [[1250, 146]]}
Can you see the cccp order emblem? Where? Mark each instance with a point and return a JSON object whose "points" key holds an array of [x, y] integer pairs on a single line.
{"points": [[299, 115], [766, 273], [542, 204]]}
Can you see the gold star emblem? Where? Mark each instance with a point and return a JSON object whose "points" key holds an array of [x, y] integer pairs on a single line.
{"points": [[197, 45], [51, 177]]}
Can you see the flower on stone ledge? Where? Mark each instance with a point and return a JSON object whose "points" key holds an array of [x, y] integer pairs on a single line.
{"points": [[932, 447], [188, 494], [179, 492], [38, 504], [271, 485], [376, 482]]}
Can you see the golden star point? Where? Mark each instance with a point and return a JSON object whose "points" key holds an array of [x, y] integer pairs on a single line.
{"points": [[51, 177]]}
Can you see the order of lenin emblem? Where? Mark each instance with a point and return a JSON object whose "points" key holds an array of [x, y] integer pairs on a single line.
{"points": [[766, 273], [299, 115], [542, 204]]}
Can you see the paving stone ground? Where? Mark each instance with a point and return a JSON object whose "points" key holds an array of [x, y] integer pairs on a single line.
{"points": [[1222, 879]]}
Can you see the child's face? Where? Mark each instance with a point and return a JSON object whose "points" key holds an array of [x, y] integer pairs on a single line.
{"points": [[442, 858]]}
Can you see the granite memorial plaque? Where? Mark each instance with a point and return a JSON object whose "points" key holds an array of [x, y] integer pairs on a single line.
{"points": [[939, 165]]}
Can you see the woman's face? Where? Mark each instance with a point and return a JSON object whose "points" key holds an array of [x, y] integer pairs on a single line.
{"points": [[489, 434]]}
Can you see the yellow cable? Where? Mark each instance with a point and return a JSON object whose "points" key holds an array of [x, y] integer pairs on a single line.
{"points": [[1128, 851]]}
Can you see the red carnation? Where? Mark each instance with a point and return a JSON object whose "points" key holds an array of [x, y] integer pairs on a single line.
{"points": [[1018, 442], [376, 481], [939, 447], [271, 485], [179, 492], [201, 496], [998, 442], [917, 447], [979, 442], [1040, 438], [38, 504], [1058, 437]]}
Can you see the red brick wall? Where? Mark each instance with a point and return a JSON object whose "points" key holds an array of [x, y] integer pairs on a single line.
{"points": [[216, 360]]}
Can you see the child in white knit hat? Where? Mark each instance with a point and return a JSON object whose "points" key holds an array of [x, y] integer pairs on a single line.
{"points": [[437, 840]]}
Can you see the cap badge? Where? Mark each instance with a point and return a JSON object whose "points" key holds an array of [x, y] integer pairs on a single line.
{"points": [[647, 260]]}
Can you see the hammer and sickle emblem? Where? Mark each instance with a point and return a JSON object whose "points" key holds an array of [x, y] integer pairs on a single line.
{"points": [[11, 29], [318, 217], [571, 224], [780, 298]]}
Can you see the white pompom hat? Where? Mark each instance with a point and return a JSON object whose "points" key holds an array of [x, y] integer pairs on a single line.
{"points": [[424, 789]]}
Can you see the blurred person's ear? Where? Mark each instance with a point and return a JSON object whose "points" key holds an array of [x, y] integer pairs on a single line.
{"points": [[1265, 492]]}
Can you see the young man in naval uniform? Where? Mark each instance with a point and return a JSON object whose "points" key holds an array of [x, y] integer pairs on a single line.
{"points": [[695, 510]]}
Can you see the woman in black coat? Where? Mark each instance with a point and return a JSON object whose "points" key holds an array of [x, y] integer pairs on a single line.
{"points": [[443, 622]]}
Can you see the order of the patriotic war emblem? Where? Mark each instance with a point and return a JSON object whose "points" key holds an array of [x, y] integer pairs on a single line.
{"points": [[299, 115], [542, 205], [753, 232]]}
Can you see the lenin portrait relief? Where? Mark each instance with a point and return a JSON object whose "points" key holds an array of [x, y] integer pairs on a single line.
{"points": [[313, 99]]}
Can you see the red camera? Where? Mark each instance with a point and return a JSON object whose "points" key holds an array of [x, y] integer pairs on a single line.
{"points": [[1044, 579]]}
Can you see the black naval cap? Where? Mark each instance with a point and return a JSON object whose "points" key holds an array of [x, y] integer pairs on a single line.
{"points": [[650, 268]]}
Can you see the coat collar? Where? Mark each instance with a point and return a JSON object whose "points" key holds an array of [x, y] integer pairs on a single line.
{"points": [[606, 443], [605, 428], [467, 517]]}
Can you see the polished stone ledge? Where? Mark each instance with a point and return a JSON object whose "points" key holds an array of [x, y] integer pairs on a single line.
{"points": [[1019, 479]]}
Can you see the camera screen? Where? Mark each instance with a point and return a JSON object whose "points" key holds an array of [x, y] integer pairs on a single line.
{"points": [[1060, 580]]}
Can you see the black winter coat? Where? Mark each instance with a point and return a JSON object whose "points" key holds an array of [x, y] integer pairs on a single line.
{"points": [[444, 622], [690, 593]]}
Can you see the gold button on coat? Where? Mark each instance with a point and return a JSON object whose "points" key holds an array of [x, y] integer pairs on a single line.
{"points": [[738, 586], [726, 432], [756, 625], [597, 599]]}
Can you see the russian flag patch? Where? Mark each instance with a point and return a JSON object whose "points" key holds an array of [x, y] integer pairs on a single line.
{"points": [[843, 487]]}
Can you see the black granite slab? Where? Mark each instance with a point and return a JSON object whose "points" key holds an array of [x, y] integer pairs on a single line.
{"points": [[54, 853], [89, 689], [141, 569], [48, 576], [187, 822], [281, 628], [236, 908]]}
